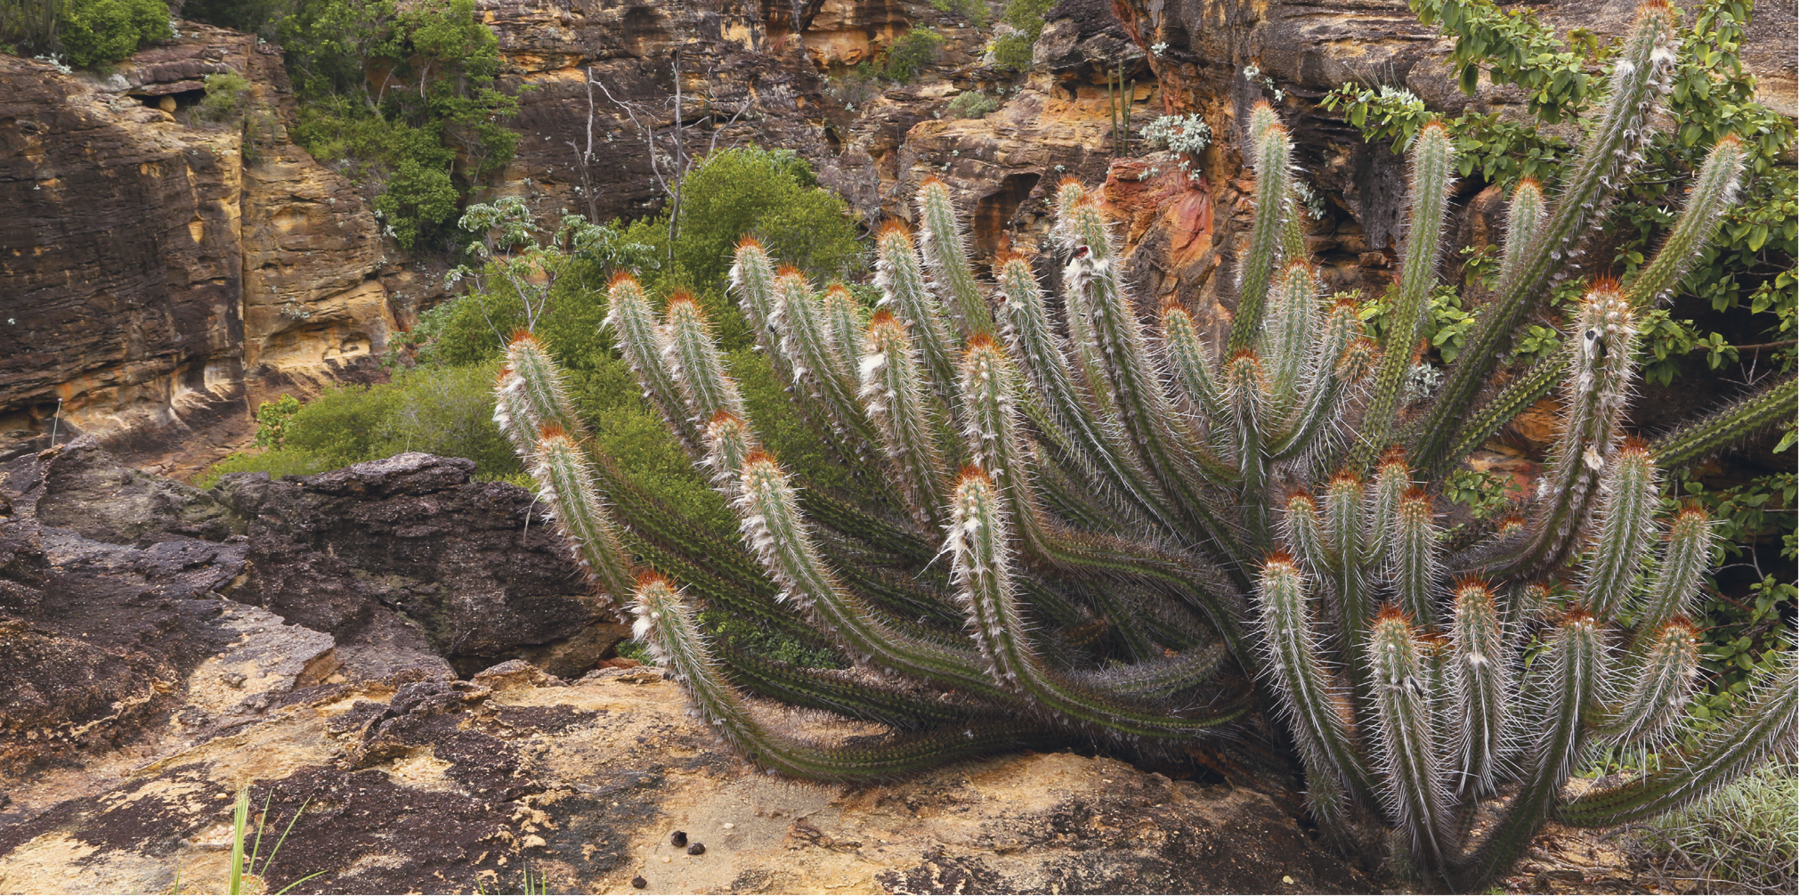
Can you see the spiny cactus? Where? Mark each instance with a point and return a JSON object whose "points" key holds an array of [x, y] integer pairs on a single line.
{"points": [[1111, 531]]}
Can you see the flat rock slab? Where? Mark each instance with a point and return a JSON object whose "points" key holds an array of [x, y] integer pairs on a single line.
{"points": [[463, 785]]}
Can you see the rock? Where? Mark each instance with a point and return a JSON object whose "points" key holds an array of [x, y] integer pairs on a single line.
{"points": [[81, 487], [159, 285], [137, 609], [454, 787], [409, 550]]}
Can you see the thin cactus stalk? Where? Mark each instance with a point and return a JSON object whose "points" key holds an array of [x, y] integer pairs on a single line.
{"points": [[1433, 159], [1153, 537]]}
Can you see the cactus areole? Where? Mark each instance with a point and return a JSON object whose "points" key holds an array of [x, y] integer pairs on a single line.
{"points": [[1106, 531]]}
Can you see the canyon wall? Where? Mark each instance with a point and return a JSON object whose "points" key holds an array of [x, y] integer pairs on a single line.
{"points": [[161, 273]]}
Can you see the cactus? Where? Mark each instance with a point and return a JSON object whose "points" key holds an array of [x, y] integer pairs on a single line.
{"points": [[1121, 533]]}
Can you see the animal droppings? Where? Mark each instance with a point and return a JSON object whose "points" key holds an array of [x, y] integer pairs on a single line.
{"points": [[639, 882], [679, 838], [697, 849]]}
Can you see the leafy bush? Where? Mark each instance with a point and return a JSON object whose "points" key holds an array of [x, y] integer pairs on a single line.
{"points": [[98, 32], [225, 97], [258, 17], [401, 97], [442, 411], [972, 104], [1023, 21], [910, 54]]}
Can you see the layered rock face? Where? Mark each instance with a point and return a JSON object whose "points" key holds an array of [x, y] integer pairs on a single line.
{"points": [[155, 282], [748, 71]]}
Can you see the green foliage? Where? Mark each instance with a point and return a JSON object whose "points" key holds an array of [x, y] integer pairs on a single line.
{"points": [[100, 32], [975, 11], [910, 54], [225, 97], [258, 17], [244, 866], [273, 419], [1023, 21], [442, 411], [401, 97], [971, 104]]}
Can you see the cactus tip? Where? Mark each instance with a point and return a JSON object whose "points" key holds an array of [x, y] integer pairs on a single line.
{"points": [[522, 335], [621, 278]]}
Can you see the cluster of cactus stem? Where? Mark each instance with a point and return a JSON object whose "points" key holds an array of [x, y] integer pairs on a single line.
{"points": [[1108, 531]]}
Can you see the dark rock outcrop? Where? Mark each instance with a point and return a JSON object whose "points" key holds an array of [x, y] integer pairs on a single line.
{"points": [[125, 598], [411, 545]]}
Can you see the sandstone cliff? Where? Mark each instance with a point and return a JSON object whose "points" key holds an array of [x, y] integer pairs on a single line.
{"points": [[161, 276]]}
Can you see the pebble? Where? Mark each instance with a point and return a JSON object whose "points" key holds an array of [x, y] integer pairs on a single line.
{"points": [[728, 825], [679, 838], [665, 860], [696, 849]]}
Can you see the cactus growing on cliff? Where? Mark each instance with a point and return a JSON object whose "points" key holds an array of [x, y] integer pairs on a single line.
{"points": [[1107, 530]]}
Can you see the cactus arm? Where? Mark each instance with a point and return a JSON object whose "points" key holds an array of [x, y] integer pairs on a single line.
{"points": [[1707, 437], [1685, 559], [1346, 542], [1626, 526], [1524, 218], [752, 280], [541, 392], [1639, 78], [1248, 402], [848, 692], [1433, 160], [1663, 679], [1287, 339], [1601, 368], [1573, 679], [815, 362], [894, 394], [1393, 480], [1764, 727], [1097, 448], [1337, 364], [565, 482], [641, 343], [982, 565], [1292, 649], [693, 359], [1191, 363], [1414, 565], [996, 446], [903, 292], [778, 535], [942, 241], [1484, 689], [1144, 409], [513, 414], [665, 622], [1273, 152], [846, 332], [1524, 391], [1715, 190], [1412, 775]]}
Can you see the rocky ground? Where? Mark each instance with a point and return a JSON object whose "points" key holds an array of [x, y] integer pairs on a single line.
{"points": [[388, 652]]}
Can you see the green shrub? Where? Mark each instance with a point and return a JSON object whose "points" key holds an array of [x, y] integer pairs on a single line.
{"points": [[911, 53], [100, 32], [259, 17], [1024, 21], [445, 411], [225, 97], [971, 104], [401, 98]]}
